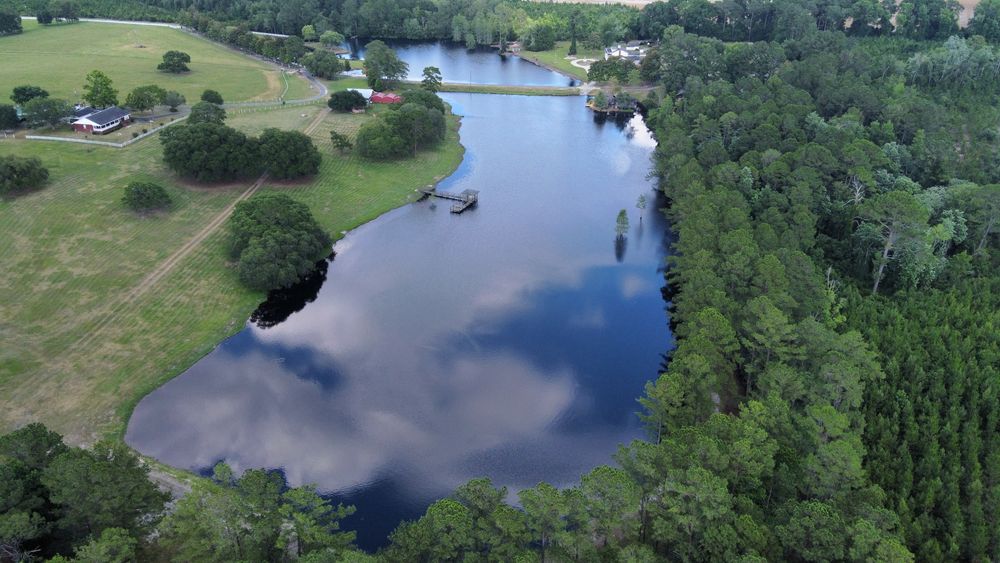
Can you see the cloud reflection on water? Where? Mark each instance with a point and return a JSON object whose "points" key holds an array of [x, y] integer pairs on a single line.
{"points": [[507, 341]]}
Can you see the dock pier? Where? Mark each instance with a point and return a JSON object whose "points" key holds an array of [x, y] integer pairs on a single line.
{"points": [[464, 200]]}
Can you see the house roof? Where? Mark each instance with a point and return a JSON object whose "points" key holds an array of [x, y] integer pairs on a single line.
{"points": [[82, 111], [105, 116]]}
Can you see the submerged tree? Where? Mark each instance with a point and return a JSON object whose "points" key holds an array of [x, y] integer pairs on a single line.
{"points": [[621, 224], [640, 204]]}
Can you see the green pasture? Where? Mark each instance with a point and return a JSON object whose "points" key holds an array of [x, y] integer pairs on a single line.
{"points": [[58, 58], [80, 348]]}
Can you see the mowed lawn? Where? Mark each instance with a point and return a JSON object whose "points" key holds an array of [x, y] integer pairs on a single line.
{"points": [[58, 58], [80, 347], [556, 57], [364, 189]]}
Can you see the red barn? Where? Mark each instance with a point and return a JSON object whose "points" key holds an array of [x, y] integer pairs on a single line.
{"points": [[102, 121], [386, 98]]}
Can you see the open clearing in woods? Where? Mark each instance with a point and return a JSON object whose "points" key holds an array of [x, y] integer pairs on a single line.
{"points": [[81, 344]]}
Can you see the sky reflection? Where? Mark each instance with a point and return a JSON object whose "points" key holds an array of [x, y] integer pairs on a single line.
{"points": [[508, 341]]}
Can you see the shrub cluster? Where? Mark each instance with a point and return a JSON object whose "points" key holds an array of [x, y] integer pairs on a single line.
{"points": [[144, 197], [19, 174]]}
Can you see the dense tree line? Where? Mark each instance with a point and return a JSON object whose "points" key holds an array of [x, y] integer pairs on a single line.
{"points": [[933, 422], [98, 505], [54, 499], [801, 176], [209, 151], [238, 35], [486, 22]]}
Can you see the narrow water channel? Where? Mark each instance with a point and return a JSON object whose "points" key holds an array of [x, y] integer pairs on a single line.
{"points": [[510, 341]]}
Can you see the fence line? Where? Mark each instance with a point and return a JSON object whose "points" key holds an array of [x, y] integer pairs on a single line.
{"points": [[105, 143]]}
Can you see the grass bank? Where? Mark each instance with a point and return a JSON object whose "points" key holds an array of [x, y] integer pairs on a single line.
{"points": [[555, 58], [59, 57], [77, 355]]}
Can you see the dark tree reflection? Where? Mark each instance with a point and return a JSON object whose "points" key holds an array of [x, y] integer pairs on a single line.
{"points": [[281, 303], [621, 245]]}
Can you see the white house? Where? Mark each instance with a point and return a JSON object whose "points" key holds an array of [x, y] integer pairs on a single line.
{"points": [[633, 51]]}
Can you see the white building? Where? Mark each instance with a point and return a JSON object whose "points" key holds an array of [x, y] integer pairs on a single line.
{"points": [[633, 51]]}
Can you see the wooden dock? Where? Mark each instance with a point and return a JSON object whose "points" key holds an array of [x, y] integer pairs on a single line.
{"points": [[465, 200]]}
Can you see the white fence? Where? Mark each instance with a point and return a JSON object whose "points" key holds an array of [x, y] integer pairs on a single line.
{"points": [[121, 145]]}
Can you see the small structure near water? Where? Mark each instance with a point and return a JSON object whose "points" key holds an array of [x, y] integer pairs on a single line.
{"points": [[465, 200], [622, 103]]}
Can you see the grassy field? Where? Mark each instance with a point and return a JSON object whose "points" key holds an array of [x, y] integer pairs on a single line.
{"points": [[80, 345], [346, 82], [58, 58], [556, 58]]}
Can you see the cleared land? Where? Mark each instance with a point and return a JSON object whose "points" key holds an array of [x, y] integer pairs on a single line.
{"points": [[81, 344], [59, 57]]}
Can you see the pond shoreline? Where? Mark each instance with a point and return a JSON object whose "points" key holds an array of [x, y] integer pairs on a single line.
{"points": [[126, 410], [422, 267], [549, 67]]}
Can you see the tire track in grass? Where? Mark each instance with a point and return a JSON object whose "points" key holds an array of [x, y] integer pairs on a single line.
{"points": [[171, 262]]}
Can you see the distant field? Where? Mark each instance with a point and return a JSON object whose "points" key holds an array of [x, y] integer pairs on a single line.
{"points": [[70, 252], [58, 58]]}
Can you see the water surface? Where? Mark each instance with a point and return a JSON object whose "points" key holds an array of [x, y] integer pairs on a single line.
{"points": [[475, 66], [509, 341]]}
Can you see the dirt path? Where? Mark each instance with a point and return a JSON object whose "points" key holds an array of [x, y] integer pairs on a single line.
{"points": [[183, 252]]}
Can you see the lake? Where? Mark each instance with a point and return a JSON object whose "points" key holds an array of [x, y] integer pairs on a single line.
{"points": [[476, 66], [510, 341]]}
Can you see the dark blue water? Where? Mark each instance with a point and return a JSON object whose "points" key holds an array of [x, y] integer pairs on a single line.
{"points": [[509, 341], [477, 66]]}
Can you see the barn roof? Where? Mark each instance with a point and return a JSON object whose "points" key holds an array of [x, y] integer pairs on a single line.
{"points": [[386, 97]]}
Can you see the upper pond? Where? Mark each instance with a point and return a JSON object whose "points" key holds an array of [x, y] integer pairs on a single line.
{"points": [[510, 341], [477, 66]]}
